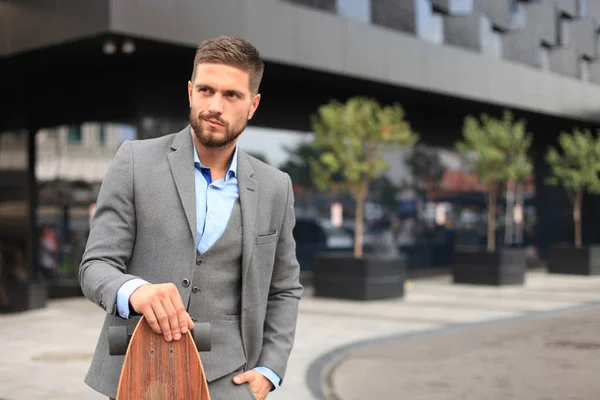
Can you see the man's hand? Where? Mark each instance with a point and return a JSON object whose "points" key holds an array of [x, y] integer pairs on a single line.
{"points": [[259, 385], [162, 307]]}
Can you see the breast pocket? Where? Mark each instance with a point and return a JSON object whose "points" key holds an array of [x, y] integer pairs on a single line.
{"points": [[270, 237]]}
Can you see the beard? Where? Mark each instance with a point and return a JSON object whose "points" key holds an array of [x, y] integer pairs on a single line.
{"points": [[206, 136]]}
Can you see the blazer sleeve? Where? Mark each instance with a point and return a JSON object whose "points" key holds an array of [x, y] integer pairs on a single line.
{"points": [[112, 234], [284, 295]]}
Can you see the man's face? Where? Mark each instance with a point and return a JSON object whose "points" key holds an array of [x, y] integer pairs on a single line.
{"points": [[220, 104]]}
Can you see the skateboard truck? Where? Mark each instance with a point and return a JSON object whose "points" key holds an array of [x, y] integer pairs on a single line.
{"points": [[119, 338]]}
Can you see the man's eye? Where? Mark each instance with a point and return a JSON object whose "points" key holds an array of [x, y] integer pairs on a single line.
{"points": [[233, 95]]}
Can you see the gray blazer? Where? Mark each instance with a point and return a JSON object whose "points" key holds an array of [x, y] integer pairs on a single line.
{"points": [[145, 226]]}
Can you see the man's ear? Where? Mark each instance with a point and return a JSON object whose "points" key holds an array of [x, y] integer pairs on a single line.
{"points": [[254, 106]]}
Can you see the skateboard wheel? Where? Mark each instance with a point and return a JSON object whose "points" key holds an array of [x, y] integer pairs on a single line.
{"points": [[202, 336], [117, 340]]}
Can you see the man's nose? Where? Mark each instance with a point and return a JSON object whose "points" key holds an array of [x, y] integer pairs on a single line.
{"points": [[216, 104]]}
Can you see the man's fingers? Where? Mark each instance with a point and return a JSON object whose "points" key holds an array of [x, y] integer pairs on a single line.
{"points": [[163, 308], [182, 316], [152, 320], [163, 319], [172, 318], [242, 378]]}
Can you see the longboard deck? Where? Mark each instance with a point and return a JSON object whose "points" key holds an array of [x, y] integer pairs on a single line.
{"points": [[155, 369]]}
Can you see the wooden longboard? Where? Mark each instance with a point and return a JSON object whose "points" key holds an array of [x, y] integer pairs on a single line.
{"points": [[156, 369]]}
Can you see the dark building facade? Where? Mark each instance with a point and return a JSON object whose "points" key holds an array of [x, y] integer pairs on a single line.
{"points": [[78, 77]]}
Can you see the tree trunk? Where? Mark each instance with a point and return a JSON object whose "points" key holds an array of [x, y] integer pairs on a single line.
{"points": [[491, 236], [508, 218], [577, 218], [359, 222]]}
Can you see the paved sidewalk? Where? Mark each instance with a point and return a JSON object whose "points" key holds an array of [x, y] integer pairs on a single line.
{"points": [[46, 353]]}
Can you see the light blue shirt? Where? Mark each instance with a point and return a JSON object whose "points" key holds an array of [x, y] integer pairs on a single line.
{"points": [[214, 203]]}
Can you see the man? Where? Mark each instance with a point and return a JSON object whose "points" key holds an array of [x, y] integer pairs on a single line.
{"points": [[190, 228]]}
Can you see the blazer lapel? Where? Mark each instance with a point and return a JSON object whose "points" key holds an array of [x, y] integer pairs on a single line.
{"points": [[181, 162], [249, 201]]}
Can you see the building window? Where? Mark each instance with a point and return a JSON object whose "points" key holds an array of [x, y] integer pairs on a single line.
{"points": [[324, 5], [582, 8], [564, 31], [584, 70], [429, 24], [358, 10], [102, 135], [74, 135], [544, 55]]}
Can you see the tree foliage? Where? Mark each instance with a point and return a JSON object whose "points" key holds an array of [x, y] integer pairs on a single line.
{"points": [[495, 149], [576, 168], [351, 138]]}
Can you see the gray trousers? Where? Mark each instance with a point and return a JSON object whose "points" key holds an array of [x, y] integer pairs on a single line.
{"points": [[224, 389]]}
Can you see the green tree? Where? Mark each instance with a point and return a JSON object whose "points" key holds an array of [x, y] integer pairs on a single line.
{"points": [[351, 138], [576, 169], [496, 150]]}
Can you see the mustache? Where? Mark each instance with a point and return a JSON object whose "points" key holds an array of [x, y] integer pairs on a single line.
{"points": [[213, 116]]}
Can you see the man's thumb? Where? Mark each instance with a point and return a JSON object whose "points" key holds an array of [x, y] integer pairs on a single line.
{"points": [[241, 378]]}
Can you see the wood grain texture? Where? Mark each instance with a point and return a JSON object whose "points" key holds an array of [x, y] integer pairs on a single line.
{"points": [[156, 369]]}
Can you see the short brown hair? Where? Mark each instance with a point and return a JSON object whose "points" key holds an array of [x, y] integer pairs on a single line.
{"points": [[234, 52]]}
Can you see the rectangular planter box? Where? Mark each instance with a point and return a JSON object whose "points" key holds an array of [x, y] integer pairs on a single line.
{"points": [[503, 267], [25, 296], [573, 261], [369, 278], [64, 288]]}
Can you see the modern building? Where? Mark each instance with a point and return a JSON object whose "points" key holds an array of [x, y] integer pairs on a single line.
{"points": [[77, 77]]}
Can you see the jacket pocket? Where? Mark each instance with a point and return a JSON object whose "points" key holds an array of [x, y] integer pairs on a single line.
{"points": [[267, 238]]}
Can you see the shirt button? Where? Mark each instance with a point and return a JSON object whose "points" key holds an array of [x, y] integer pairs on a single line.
{"points": [[186, 282], [198, 261], [195, 289]]}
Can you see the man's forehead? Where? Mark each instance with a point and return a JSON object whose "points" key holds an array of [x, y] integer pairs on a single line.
{"points": [[221, 72]]}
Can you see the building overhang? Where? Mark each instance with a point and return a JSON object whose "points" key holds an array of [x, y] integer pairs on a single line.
{"points": [[288, 34]]}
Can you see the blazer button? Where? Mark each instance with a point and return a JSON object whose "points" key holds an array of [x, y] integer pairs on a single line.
{"points": [[198, 261], [195, 289], [186, 282]]}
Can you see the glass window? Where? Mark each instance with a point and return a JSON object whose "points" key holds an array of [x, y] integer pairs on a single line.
{"points": [[564, 31], [74, 135], [582, 8], [584, 70], [544, 54], [491, 40], [15, 240], [429, 24], [359, 10], [102, 135], [68, 182], [461, 6]]}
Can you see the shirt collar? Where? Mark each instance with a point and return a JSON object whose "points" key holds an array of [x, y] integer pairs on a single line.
{"points": [[232, 171]]}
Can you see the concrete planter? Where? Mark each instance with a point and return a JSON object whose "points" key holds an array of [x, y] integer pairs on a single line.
{"points": [[573, 261], [502, 267], [26, 296], [64, 288], [369, 278]]}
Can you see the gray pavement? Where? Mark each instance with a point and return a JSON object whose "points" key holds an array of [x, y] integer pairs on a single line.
{"points": [[551, 357], [46, 353]]}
